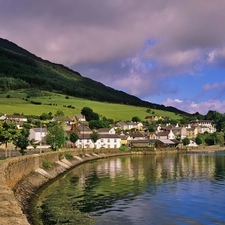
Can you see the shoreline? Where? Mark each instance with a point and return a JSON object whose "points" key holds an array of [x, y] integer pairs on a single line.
{"points": [[26, 189], [16, 197]]}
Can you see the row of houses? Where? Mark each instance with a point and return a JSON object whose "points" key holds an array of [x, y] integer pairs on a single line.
{"points": [[123, 133]]}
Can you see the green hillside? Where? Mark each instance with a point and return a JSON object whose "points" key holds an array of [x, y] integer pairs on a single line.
{"points": [[17, 102], [20, 69]]}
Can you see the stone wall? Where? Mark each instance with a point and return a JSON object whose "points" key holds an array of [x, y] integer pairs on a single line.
{"points": [[21, 177]]}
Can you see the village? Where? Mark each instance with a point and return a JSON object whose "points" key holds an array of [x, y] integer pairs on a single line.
{"points": [[128, 134]]}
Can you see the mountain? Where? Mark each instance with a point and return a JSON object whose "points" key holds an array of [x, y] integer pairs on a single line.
{"points": [[22, 69]]}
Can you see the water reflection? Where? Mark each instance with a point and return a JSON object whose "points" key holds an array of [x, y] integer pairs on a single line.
{"points": [[137, 189]]}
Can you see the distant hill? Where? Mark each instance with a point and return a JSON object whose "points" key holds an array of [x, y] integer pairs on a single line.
{"points": [[22, 69]]}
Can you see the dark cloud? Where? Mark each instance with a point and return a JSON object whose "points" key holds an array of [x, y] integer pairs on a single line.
{"points": [[108, 40]]}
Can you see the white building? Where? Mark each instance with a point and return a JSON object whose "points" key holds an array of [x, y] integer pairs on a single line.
{"points": [[37, 134], [108, 141], [104, 141]]}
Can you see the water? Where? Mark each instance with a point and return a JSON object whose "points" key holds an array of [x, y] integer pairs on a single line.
{"points": [[139, 190]]}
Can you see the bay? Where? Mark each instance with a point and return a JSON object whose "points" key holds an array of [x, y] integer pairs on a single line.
{"points": [[138, 189]]}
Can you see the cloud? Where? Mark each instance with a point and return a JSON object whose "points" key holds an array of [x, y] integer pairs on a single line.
{"points": [[136, 46], [191, 107], [215, 90]]}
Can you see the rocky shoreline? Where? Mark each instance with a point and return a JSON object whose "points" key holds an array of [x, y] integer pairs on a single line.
{"points": [[15, 199]]}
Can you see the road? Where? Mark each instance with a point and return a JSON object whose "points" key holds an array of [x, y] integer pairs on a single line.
{"points": [[14, 153]]}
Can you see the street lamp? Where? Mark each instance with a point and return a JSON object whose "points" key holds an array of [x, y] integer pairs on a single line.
{"points": [[83, 137]]}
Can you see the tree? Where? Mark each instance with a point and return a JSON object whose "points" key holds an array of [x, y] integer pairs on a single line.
{"points": [[136, 119], [198, 140], [8, 132], [73, 137], [186, 141], [89, 114], [151, 128], [96, 124], [46, 116], [184, 120], [55, 136], [59, 113], [217, 138], [22, 142], [94, 137]]}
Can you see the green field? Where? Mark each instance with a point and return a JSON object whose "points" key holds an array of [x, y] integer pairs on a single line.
{"points": [[51, 102]]}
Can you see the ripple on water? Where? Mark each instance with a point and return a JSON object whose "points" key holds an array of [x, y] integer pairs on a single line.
{"points": [[170, 189]]}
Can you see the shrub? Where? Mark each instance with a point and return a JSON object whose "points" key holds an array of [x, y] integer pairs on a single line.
{"points": [[68, 156], [47, 164], [122, 148], [35, 103]]}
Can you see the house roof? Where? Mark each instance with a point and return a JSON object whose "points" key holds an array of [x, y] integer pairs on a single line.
{"points": [[176, 128], [150, 117], [163, 133], [139, 141], [127, 123], [103, 130], [166, 117], [3, 117], [136, 135], [83, 128], [43, 129], [79, 117], [109, 136], [124, 137], [87, 136], [167, 141], [201, 121], [63, 118], [190, 128], [16, 116], [84, 136]]}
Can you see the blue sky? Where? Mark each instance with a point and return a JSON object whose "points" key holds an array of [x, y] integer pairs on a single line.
{"points": [[169, 52]]}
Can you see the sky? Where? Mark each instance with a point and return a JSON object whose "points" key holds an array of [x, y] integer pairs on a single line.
{"points": [[169, 52]]}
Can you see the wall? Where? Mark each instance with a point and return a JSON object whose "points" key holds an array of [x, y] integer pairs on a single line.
{"points": [[21, 177]]}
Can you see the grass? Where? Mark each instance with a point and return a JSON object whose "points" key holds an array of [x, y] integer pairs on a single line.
{"points": [[52, 102]]}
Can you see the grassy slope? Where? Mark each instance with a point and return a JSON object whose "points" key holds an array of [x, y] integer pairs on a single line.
{"points": [[15, 104], [19, 64]]}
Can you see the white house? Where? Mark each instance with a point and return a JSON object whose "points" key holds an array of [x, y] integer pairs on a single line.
{"points": [[79, 118], [17, 118], [108, 141], [204, 125], [3, 117], [171, 135], [37, 134], [84, 141], [130, 125], [192, 144], [104, 141]]}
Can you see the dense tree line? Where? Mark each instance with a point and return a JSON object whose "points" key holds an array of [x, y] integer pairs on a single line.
{"points": [[9, 83]]}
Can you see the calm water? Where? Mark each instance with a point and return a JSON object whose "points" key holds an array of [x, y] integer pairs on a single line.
{"points": [[139, 190]]}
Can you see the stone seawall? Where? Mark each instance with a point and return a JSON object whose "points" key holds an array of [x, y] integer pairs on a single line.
{"points": [[21, 177]]}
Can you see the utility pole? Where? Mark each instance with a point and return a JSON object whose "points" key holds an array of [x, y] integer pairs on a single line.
{"points": [[41, 140]]}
